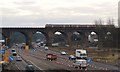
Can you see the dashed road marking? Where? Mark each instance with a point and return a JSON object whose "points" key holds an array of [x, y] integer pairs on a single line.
{"points": [[17, 67], [35, 65]]}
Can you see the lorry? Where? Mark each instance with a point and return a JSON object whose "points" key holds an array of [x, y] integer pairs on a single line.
{"points": [[81, 59], [81, 54], [51, 57]]}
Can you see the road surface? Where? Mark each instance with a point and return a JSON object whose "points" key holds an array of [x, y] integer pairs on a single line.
{"points": [[38, 59]]}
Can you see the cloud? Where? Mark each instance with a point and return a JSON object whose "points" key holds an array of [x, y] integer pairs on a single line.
{"points": [[40, 12], [41, 21], [24, 3]]}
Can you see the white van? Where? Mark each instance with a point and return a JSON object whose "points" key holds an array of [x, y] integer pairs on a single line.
{"points": [[80, 63]]}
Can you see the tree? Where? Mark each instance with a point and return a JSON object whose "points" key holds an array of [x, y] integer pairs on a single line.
{"points": [[99, 22], [102, 31], [110, 21]]}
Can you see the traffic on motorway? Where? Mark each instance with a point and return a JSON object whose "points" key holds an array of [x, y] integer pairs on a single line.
{"points": [[43, 58]]}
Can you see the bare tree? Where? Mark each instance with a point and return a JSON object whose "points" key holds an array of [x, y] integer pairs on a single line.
{"points": [[96, 22], [110, 21], [99, 22]]}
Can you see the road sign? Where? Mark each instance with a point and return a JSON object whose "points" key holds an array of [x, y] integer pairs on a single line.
{"points": [[2, 52], [11, 58], [89, 60]]}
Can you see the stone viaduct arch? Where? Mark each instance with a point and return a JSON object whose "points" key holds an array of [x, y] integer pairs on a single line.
{"points": [[67, 30]]}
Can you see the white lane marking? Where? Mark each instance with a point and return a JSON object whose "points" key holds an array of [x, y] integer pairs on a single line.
{"points": [[18, 67], [36, 65]]}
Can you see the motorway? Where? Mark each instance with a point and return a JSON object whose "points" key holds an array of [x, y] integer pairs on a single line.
{"points": [[38, 59]]}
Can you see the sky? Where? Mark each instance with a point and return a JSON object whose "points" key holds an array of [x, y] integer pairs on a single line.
{"points": [[38, 13]]}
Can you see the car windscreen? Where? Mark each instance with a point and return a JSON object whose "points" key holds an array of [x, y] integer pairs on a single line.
{"points": [[14, 54], [13, 50], [83, 54]]}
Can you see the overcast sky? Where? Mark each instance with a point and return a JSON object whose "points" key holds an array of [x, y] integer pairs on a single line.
{"points": [[41, 12]]}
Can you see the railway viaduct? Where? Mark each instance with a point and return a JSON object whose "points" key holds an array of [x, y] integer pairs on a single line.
{"points": [[67, 30]]}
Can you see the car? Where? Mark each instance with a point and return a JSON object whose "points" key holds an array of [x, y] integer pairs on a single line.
{"points": [[14, 54], [67, 45], [18, 58], [13, 50], [51, 56], [29, 68], [46, 48], [72, 57], [63, 53]]}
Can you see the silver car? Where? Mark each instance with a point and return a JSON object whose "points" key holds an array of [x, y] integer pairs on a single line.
{"points": [[63, 53], [18, 58]]}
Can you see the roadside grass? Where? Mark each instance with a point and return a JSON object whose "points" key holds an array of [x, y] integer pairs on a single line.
{"points": [[67, 50], [111, 57]]}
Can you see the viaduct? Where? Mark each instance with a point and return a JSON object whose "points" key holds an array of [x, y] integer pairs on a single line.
{"points": [[67, 31]]}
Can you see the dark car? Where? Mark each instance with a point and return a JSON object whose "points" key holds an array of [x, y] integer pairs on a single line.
{"points": [[29, 68], [72, 57], [13, 50], [14, 54]]}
